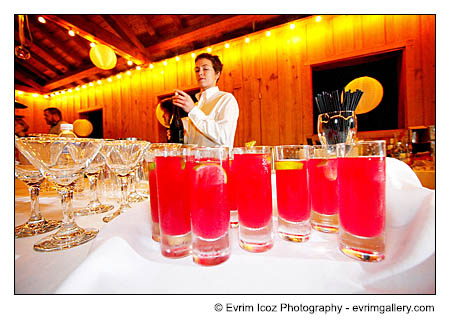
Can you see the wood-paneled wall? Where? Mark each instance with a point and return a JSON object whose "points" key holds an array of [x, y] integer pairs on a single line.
{"points": [[270, 77]]}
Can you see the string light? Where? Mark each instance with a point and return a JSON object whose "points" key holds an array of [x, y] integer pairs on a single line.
{"points": [[138, 68], [42, 20], [35, 95], [20, 92], [318, 19], [46, 96]]}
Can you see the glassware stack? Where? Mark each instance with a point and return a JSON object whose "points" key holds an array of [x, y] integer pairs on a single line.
{"points": [[62, 161], [122, 157]]}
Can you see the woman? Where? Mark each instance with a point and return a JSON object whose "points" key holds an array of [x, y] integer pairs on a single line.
{"points": [[213, 119]]}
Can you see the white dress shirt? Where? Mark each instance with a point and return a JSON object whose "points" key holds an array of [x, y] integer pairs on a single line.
{"points": [[213, 119]]}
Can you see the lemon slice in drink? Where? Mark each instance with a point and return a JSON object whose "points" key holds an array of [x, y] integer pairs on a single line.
{"points": [[250, 144], [331, 174], [289, 165], [211, 173], [330, 170]]}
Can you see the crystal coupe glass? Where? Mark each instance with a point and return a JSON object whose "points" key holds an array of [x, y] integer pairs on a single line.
{"points": [[62, 161], [32, 177], [133, 195], [95, 206], [122, 157]]}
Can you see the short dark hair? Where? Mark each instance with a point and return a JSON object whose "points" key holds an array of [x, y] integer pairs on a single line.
{"points": [[53, 111], [217, 65]]}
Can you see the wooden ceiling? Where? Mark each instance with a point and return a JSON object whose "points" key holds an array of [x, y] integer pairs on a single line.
{"points": [[59, 61]]}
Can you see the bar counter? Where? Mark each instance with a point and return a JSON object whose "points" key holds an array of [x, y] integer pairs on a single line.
{"points": [[123, 259]]}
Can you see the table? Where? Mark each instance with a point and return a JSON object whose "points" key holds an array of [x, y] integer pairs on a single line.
{"points": [[123, 259]]}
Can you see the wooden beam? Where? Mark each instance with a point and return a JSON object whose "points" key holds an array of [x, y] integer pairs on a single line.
{"points": [[44, 62], [82, 72], [191, 34], [81, 42], [27, 89], [94, 33], [74, 76], [123, 29], [44, 52], [149, 26], [31, 68], [63, 47], [177, 22], [23, 77]]}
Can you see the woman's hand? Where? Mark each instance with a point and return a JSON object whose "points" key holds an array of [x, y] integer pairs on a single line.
{"points": [[183, 100]]}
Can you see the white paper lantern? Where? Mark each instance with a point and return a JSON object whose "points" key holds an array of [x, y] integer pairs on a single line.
{"points": [[103, 57]]}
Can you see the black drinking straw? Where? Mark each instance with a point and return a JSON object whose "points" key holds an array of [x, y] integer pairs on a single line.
{"points": [[330, 102]]}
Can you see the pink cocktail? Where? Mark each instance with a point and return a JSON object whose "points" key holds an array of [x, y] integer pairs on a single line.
{"points": [[254, 197], [172, 177], [323, 187], [232, 183], [153, 201], [362, 199], [149, 157], [210, 212], [293, 197], [363, 179]]}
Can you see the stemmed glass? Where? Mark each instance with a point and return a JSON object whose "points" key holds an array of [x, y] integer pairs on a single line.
{"points": [[133, 195], [36, 224], [122, 157], [62, 161], [94, 206]]}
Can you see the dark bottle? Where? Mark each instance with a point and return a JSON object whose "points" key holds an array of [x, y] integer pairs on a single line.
{"points": [[176, 127]]}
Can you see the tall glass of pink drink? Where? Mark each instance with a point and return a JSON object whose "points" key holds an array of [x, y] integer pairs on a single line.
{"points": [[362, 199], [323, 187], [172, 179], [210, 211], [149, 157], [293, 197], [252, 171], [232, 183]]}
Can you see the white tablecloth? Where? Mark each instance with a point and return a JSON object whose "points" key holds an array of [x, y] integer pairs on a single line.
{"points": [[124, 259]]}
